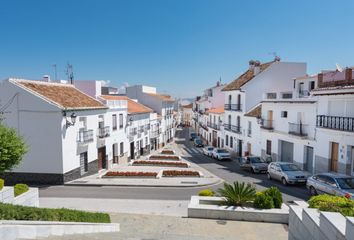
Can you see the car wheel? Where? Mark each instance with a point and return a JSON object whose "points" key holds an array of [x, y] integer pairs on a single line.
{"points": [[313, 191], [284, 182], [269, 177]]}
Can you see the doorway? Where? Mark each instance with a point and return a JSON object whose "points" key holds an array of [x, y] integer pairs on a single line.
{"points": [[334, 157], [249, 148], [101, 156], [287, 151], [115, 153], [240, 148], [308, 159], [270, 118], [132, 147]]}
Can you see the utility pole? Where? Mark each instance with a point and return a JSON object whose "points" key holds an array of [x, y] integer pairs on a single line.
{"points": [[70, 73]]}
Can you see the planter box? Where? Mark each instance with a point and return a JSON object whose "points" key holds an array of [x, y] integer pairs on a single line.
{"points": [[128, 176], [161, 165], [7, 195], [29, 198], [208, 207]]}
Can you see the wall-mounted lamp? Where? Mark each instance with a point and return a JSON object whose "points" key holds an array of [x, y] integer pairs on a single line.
{"points": [[130, 121], [72, 120]]}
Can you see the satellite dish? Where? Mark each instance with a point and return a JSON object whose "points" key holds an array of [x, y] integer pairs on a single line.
{"points": [[339, 68]]}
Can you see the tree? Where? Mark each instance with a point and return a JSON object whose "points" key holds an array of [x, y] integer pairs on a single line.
{"points": [[12, 148]]}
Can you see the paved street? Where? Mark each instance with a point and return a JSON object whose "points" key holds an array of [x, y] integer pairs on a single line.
{"points": [[227, 170]]}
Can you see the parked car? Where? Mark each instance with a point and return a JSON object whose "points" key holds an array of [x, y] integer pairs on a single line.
{"points": [[253, 164], [221, 154], [192, 136], [287, 173], [331, 183], [208, 150], [198, 142]]}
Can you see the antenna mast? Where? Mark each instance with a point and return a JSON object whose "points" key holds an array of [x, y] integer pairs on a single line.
{"points": [[70, 73]]}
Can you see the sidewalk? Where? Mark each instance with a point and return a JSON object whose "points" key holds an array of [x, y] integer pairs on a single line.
{"points": [[207, 178]]}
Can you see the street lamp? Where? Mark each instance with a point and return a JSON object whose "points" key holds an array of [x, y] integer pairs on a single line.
{"points": [[72, 120]]}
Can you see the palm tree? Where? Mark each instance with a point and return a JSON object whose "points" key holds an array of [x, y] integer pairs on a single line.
{"points": [[237, 194]]}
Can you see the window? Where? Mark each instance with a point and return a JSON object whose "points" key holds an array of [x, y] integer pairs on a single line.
{"points": [[269, 147], [271, 95], [121, 149], [120, 121], [231, 142], [249, 132], [114, 121], [312, 85], [83, 162], [287, 95], [146, 140], [230, 98], [284, 114], [227, 140]]}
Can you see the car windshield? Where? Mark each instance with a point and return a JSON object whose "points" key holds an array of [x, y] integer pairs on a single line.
{"points": [[198, 141], [255, 160], [222, 151], [345, 183], [210, 149], [193, 134], [289, 167]]}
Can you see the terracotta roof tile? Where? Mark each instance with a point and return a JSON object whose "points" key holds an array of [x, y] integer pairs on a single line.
{"points": [[188, 105], [65, 96], [166, 98], [219, 110], [245, 77], [255, 112], [133, 107]]}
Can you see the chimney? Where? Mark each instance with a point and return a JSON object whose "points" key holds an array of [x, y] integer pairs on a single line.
{"points": [[251, 64], [348, 74], [257, 67], [276, 59], [218, 83], [46, 78]]}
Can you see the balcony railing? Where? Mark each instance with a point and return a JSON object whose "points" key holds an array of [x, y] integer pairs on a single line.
{"points": [[154, 134], [233, 107], [213, 125], [304, 93], [335, 122], [232, 128], [298, 129], [267, 124], [103, 132], [133, 132], [141, 129], [202, 125], [85, 136]]}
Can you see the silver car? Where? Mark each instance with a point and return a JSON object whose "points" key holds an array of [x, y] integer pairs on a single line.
{"points": [[208, 150], [253, 164], [287, 173], [221, 154], [331, 183]]}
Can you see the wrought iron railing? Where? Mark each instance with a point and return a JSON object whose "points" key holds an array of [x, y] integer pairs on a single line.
{"points": [[298, 129], [267, 124], [85, 136], [335, 122], [213, 125], [103, 132], [232, 128], [233, 107]]}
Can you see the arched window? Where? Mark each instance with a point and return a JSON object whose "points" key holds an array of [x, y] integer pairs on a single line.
{"points": [[231, 142], [227, 140]]}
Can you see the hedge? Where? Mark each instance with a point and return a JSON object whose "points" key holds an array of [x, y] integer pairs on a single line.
{"points": [[1, 183], [206, 193], [263, 201], [20, 188], [330, 203], [16, 212]]}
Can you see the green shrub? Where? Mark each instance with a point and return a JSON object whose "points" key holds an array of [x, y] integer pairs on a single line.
{"points": [[263, 201], [16, 212], [1, 183], [206, 193], [276, 196], [237, 194], [20, 188], [330, 203]]}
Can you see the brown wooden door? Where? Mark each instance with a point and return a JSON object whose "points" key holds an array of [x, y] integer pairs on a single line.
{"points": [[270, 118], [249, 148], [334, 157], [101, 156]]}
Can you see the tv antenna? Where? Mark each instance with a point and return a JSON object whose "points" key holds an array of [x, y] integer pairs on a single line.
{"points": [[55, 71], [69, 73]]}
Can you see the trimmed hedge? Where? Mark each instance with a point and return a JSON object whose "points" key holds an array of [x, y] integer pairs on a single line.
{"points": [[263, 201], [276, 196], [206, 193], [329, 203], [20, 188], [16, 212], [1, 183]]}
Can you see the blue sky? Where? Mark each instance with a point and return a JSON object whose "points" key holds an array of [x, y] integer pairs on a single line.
{"points": [[180, 46]]}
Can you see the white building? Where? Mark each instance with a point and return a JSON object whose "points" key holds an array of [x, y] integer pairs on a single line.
{"points": [[138, 126], [187, 114], [334, 150], [66, 130], [247, 91], [159, 103], [215, 128]]}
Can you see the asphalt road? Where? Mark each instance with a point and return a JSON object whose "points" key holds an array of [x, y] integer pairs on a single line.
{"points": [[227, 170]]}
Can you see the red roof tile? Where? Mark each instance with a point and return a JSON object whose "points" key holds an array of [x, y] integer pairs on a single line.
{"points": [[133, 107]]}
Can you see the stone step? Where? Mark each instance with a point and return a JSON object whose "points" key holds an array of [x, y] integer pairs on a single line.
{"points": [[349, 230], [311, 221]]}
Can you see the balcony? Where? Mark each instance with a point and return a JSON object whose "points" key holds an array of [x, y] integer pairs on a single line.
{"points": [[267, 124], [85, 136], [233, 107], [335, 122], [298, 129], [202, 125], [141, 129], [213, 125], [304, 93], [232, 128], [154, 134], [103, 132]]}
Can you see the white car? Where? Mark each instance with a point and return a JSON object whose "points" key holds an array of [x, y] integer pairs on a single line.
{"points": [[221, 154], [208, 150]]}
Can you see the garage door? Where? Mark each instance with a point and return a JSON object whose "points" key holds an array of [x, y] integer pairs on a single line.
{"points": [[287, 151]]}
